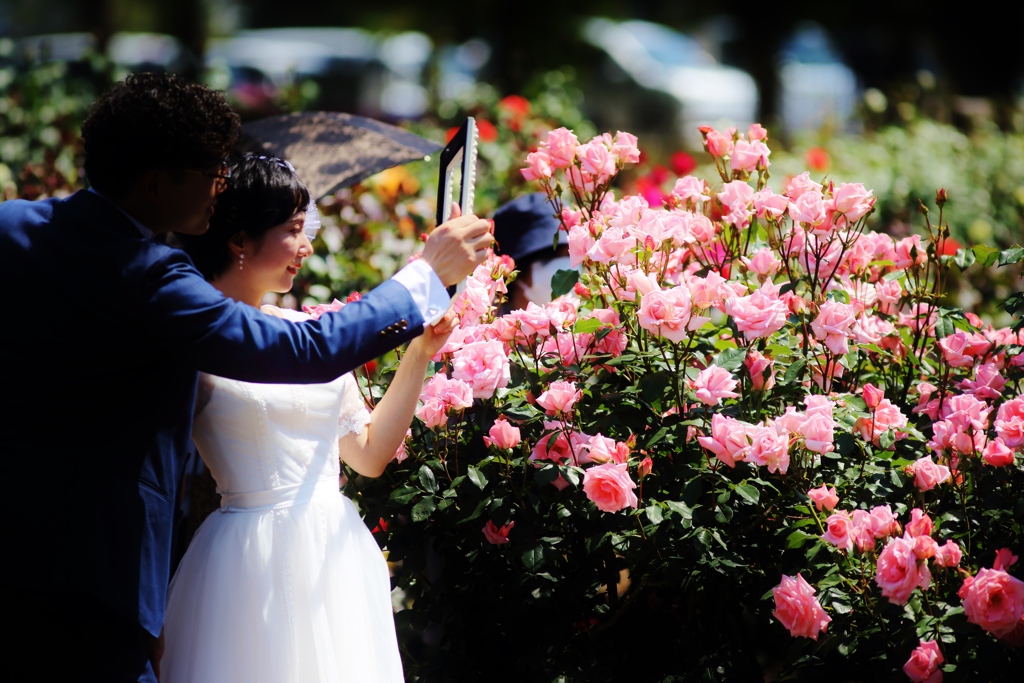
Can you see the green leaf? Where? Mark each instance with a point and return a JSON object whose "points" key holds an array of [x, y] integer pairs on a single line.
{"points": [[421, 510], [680, 508], [654, 514], [985, 255], [563, 281], [587, 326], [533, 558], [1011, 255], [798, 538], [427, 479], [964, 258], [403, 495], [886, 439], [730, 359], [794, 371], [748, 492], [839, 295], [944, 327], [477, 477]]}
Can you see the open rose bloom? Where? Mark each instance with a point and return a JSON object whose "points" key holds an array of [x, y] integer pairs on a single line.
{"points": [[747, 372]]}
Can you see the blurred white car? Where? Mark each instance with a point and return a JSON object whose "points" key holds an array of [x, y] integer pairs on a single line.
{"points": [[356, 71], [815, 87], [660, 59]]}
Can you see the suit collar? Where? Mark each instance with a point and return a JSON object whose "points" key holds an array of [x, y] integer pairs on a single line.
{"points": [[95, 209]]}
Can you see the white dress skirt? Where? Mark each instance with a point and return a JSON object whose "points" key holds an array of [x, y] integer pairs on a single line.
{"points": [[284, 583]]}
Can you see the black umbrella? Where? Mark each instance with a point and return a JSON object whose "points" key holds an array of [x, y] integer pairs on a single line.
{"points": [[331, 150]]}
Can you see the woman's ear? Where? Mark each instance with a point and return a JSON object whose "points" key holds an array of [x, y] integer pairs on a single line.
{"points": [[237, 243]]}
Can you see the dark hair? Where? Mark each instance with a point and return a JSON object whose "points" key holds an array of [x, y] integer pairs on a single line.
{"points": [[263, 192], [155, 121]]}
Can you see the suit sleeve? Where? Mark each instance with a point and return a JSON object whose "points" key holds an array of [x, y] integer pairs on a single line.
{"points": [[192, 320]]}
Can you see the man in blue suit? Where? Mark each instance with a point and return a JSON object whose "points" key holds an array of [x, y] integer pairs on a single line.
{"points": [[106, 331]]}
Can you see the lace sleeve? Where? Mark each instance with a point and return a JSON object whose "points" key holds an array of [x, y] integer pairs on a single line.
{"points": [[353, 415]]}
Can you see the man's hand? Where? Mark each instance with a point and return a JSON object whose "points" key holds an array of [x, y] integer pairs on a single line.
{"points": [[456, 247]]}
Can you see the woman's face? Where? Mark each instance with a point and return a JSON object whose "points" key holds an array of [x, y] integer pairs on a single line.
{"points": [[275, 261]]}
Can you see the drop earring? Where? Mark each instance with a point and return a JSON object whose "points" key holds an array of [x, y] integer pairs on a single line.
{"points": [[241, 261]]}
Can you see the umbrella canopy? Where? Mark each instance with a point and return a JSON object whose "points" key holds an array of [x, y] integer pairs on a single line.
{"points": [[331, 150]]}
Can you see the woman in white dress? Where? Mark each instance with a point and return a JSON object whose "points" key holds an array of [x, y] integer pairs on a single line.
{"points": [[284, 583]]}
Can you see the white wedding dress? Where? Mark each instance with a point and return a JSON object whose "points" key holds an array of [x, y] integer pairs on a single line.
{"points": [[284, 583]]}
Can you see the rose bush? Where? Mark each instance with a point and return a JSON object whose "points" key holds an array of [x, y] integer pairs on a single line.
{"points": [[745, 435]]}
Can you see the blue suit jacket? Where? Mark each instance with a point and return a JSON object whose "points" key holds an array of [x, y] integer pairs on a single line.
{"points": [[103, 335]]}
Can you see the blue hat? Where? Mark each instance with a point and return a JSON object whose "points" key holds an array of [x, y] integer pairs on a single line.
{"points": [[525, 228]]}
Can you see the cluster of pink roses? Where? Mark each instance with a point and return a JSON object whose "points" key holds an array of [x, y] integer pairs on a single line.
{"points": [[588, 165]]}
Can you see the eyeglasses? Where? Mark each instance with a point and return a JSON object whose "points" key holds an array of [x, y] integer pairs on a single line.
{"points": [[220, 176]]}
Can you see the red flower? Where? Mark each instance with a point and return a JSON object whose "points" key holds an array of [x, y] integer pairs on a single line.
{"points": [[487, 131], [682, 163], [516, 105], [818, 159]]}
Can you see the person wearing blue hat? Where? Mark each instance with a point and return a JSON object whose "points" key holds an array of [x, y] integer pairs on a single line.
{"points": [[525, 230]]}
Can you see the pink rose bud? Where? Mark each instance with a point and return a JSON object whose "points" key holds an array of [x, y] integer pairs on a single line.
{"points": [[1004, 559], [824, 497], [920, 524], [503, 435], [644, 468], [997, 454], [872, 396], [923, 665]]}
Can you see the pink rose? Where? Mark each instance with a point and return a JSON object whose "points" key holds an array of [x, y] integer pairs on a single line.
{"points": [[927, 475], [718, 145], [833, 324], [559, 398], [923, 665], [920, 524], [625, 148], [539, 165], [808, 208], [824, 497], [757, 132], [853, 201], [553, 446], [801, 184], [954, 350], [613, 245], [889, 294], [763, 264], [666, 313], [503, 435], [838, 527], [884, 417], [316, 311], [769, 446], [1009, 422], [997, 454], [925, 547], [862, 530], [761, 370], [690, 190], [609, 487], [797, 608], [736, 195], [760, 314], [948, 555], [993, 600], [767, 204], [818, 431], [900, 572], [483, 365], [495, 534], [987, 384], [729, 440], [441, 395], [601, 449], [712, 384], [1004, 559], [909, 252], [561, 147], [883, 522], [749, 156], [596, 158]]}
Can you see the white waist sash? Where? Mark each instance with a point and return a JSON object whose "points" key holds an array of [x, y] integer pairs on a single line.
{"points": [[283, 497]]}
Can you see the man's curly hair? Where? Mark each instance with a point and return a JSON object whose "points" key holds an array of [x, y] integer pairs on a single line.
{"points": [[155, 121]]}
